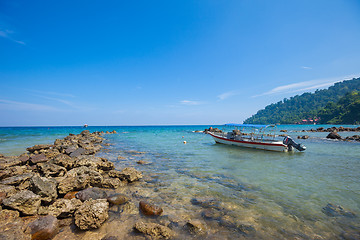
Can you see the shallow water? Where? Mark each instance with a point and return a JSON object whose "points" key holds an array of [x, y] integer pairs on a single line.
{"points": [[243, 193]]}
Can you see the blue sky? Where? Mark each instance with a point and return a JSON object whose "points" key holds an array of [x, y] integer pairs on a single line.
{"points": [[168, 62]]}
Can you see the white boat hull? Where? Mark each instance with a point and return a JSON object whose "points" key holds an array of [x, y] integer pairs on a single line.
{"points": [[270, 146]]}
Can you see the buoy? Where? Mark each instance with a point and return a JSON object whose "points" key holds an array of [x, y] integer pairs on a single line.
{"points": [[182, 136], [184, 142]]}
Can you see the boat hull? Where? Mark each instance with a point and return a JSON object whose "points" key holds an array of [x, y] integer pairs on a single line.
{"points": [[270, 146]]}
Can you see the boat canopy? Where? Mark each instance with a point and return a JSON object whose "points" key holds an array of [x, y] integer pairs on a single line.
{"points": [[246, 125]]}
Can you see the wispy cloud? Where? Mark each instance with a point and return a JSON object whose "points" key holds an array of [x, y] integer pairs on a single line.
{"points": [[8, 35], [63, 101], [306, 68], [188, 102], [51, 93], [14, 105], [226, 95], [306, 85]]}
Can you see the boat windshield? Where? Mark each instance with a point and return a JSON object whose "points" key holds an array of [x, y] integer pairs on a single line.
{"points": [[254, 130]]}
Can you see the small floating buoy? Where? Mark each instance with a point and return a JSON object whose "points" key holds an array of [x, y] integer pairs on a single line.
{"points": [[182, 136], [184, 142]]}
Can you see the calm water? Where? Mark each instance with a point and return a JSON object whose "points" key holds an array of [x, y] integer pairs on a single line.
{"points": [[280, 195]]}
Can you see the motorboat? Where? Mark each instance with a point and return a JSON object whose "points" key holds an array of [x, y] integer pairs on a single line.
{"points": [[256, 136]]}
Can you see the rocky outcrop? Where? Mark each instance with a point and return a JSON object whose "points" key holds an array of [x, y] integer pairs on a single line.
{"points": [[24, 201], [333, 135], [92, 214], [214, 130]]}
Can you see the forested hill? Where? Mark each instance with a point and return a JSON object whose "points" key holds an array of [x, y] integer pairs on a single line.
{"points": [[311, 106]]}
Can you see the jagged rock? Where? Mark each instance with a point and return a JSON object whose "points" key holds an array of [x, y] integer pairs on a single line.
{"points": [[336, 211], [128, 174], [24, 201], [9, 162], [118, 199], [38, 158], [195, 227], [17, 180], [38, 147], [92, 214], [8, 190], [71, 149], [78, 179], [43, 187], [303, 137], [112, 183], [43, 228], [64, 208], [91, 193], [11, 226], [51, 170], [333, 135], [65, 161], [149, 209], [94, 162], [77, 152], [12, 171], [50, 153], [2, 197], [154, 230]]}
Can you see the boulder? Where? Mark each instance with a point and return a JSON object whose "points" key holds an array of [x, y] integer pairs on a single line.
{"points": [[43, 187], [78, 179], [92, 214], [149, 209], [112, 183], [118, 199], [24, 201], [17, 180], [64, 208], [333, 135], [51, 170], [39, 147], [43, 228], [64, 161], [38, 158], [128, 174], [94, 162], [154, 230], [12, 171], [6, 162], [91, 193], [8, 190], [77, 152]]}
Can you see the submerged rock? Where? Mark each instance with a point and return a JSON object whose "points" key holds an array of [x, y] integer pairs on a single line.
{"points": [[118, 199], [195, 227], [154, 230], [337, 211], [333, 135], [92, 214], [44, 228], [149, 209], [24, 201]]}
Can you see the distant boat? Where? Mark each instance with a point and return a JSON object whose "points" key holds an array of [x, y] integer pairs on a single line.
{"points": [[85, 125], [260, 137]]}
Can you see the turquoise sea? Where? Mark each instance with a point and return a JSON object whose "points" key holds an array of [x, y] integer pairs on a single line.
{"points": [[258, 194]]}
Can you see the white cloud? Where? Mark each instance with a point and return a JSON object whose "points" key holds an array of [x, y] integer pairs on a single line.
{"points": [[306, 68], [188, 102], [227, 95], [306, 85], [7, 34], [14, 105]]}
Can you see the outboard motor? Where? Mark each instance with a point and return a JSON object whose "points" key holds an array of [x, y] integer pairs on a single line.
{"points": [[291, 143]]}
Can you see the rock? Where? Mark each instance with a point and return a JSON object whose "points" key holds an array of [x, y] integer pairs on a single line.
{"points": [[9, 162], [353, 138], [94, 162], [205, 202], [91, 193], [12, 171], [92, 214], [283, 130], [70, 195], [51, 170], [195, 227], [150, 210], [333, 135], [118, 199], [211, 214], [2, 197], [39, 147], [64, 208], [78, 179], [129, 174], [303, 137], [17, 180], [24, 201], [154, 230], [112, 183], [110, 238], [64, 161], [44, 228], [11, 226], [141, 162], [77, 152], [8, 190], [38, 158], [43, 187], [71, 149], [337, 211]]}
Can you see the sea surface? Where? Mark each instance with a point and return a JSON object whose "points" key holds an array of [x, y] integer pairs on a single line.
{"points": [[238, 193]]}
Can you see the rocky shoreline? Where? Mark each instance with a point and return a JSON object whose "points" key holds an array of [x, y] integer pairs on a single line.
{"points": [[65, 185]]}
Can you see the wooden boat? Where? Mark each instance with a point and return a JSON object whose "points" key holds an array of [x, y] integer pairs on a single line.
{"points": [[260, 137]]}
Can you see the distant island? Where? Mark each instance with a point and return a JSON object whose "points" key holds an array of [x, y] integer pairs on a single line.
{"points": [[339, 104]]}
